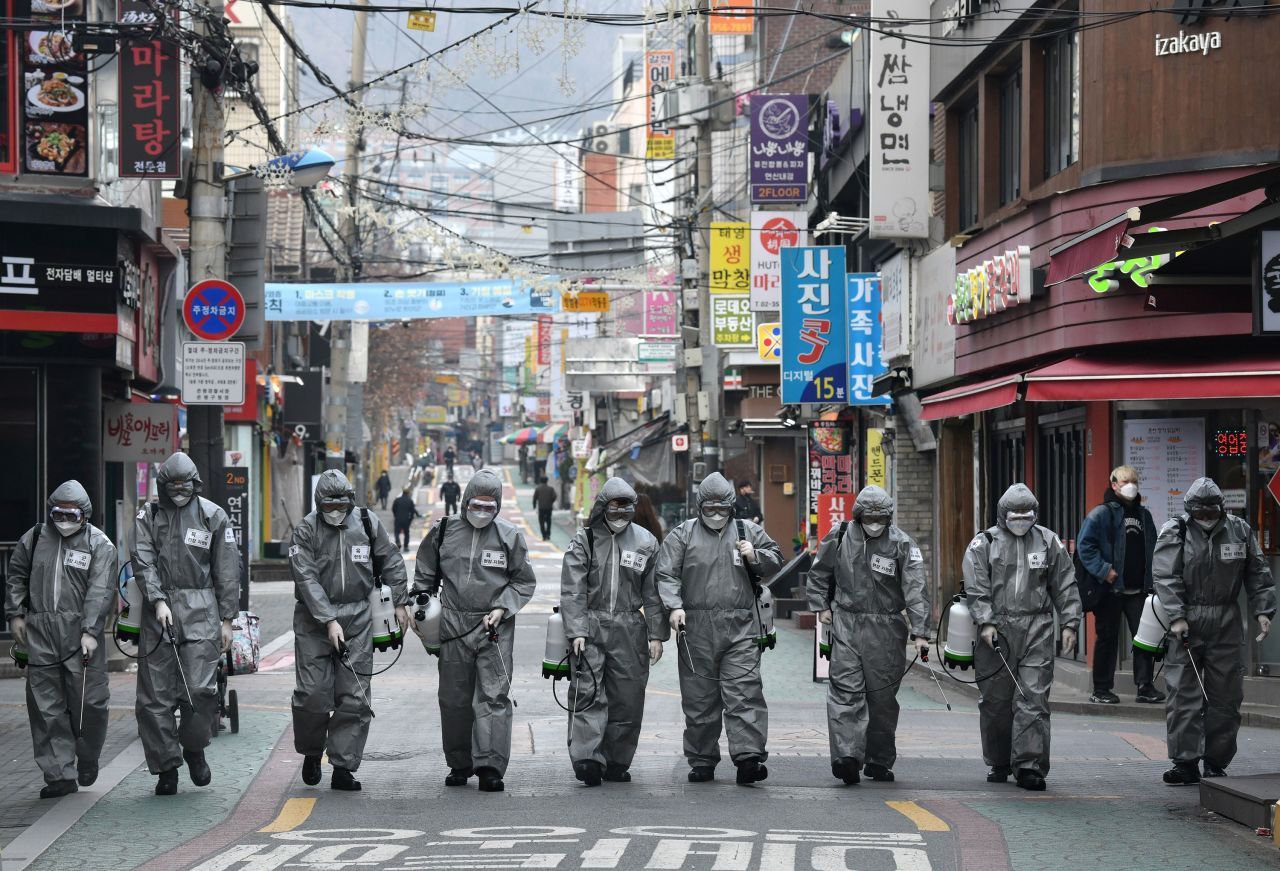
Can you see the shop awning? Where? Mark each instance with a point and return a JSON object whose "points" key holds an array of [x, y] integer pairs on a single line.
{"points": [[971, 398], [1085, 379], [1103, 243]]}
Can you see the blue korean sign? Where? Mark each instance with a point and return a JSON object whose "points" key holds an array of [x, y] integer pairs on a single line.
{"points": [[866, 362], [815, 327], [376, 302]]}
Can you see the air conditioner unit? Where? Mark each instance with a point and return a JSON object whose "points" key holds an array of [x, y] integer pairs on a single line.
{"points": [[603, 139]]}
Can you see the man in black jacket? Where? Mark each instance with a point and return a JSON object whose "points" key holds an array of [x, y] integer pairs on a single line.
{"points": [[745, 506], [544, 499], [403, 510], [449, 492]]}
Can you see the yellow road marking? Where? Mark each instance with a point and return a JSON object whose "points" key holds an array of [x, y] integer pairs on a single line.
{"points": [[925, 821], [293, 814]]}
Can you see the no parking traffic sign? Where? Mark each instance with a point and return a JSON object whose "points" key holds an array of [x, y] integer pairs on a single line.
{"points": [[213, 310]]}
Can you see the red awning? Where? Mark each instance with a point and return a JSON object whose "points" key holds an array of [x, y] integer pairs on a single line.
{"points": [[1089, 250], [1084, 379], [971, 398]]}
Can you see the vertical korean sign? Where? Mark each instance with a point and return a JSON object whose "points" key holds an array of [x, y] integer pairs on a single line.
{"points": [[236, 492], [55, 89], [831, 475], [660, 313], [659, 70], [150, 101], [770, 233], [733, 323], [865, 336], [730, 257], [780, 148], [814, 325], [899, 162]]}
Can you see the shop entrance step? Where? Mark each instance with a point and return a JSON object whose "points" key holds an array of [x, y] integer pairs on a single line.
{"points": [[1247, 800]]}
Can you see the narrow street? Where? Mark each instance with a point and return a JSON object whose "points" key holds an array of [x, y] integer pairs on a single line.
{"points": [[1105, 796]]}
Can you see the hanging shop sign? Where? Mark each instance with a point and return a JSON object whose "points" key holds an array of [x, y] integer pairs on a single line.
{"points": [[730, 17], [660, 138], [992, 286], [832, 448], [770, 233], [55, 91], [814, 325], [138, 432], [895, 308], [661, 313], [730, 257], [779, 159], [1266, 295], [150, 99], [900, 118], [587, 301], [733, 323], [865, 358]]}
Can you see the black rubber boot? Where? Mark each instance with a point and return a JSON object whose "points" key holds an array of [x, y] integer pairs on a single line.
{"points": [[167, 782], [588, 771], [344, 780], [847, 770], [751, 771], [999, 774], [701, 774], [58, 789], [878, 772], [311, 770], [617, 773], [87, 769], [458, 776], [197, 768], [1182, 774], [1030, 779], [490, 780]]}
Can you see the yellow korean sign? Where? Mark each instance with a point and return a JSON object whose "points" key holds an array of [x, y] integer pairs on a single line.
{"points": [[433, 414], [731, 258], [422, 20], [877, 471], [592, 301], [659, 70]]}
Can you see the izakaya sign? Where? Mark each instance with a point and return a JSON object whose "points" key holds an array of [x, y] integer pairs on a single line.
{"points": [[993, 286]]}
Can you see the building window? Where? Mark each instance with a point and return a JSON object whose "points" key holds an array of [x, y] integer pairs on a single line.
{"points": [[1011, 137], [967, 163], [1061, 102], [624, 140]]}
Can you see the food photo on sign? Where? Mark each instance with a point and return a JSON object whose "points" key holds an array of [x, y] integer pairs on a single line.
{"points": [[55, 89]]}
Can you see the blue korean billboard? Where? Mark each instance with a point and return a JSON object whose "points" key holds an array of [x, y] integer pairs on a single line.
{"points": [[815, 327], [376, 302], [866, 337]]}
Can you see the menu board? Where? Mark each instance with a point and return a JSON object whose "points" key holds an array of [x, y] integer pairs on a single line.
{"points": [[1168, 454], [55, 111]]}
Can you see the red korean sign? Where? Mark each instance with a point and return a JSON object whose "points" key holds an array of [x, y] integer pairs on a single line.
{"points": [[831, 470], [544, 340], [833, 509], [150, 101]]}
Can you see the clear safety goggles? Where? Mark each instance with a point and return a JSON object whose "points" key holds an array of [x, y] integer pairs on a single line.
{"points": [[180, 488], [339, 503], [1020, 516], [66, 515], [620, 509], [1206, 512], [711, 510], [482, 507]]}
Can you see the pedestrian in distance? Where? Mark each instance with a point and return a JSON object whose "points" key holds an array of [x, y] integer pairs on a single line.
{"points": [[544, 501], [1115, 546], [1016, 574], [338, 554], [865, 575], [450, 492], [615, 624], [450, 457], [383, 488], [480, 568], [403, 512], [477, 461], [709, 573], [188, 564], [1203, 559], [59, 588], [745, 505]]}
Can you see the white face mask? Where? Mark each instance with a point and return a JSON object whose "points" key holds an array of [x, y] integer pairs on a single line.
{"points": [[180, 501], [69, 527], [873, 530], [335, 518], [479, 519], [1020, 526], [1206, 525], [618, 525], [1129, 491], [716, 523]]}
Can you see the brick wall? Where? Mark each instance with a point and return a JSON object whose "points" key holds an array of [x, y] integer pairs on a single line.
{"points": [[913, 487], [805, 43]]}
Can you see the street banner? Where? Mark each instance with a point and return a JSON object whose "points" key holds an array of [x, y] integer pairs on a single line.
{"points": [[832, 447], [138, 432], [150, 123], [659, 70], [814, 327], [779, 159], [378, 302], [899, 163], [733, 323], [730, 257], [770, 233], [865, 357]]}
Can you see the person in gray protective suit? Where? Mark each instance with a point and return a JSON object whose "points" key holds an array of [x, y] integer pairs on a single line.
{"points": [[1016, 574], [1203, 558], [479, 565], [187, 562], [709, 570], [59, 588], [337, 552], [607, 577], [865, 575]]}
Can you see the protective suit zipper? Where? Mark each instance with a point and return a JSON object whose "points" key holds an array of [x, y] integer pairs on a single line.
{"points": [[613, 571], [57, 578], [342, 558]]}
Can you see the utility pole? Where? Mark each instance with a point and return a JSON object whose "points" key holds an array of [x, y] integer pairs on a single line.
{"points": [[335, 412], [710, 376], [207, 208]]}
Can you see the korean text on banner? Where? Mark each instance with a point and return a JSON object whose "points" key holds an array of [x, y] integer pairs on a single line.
{"points": [[770, 233], [832, 447], [779, 158], [659, 70], [877, 469], [815, 329], [376, 302], [730, 257], [733, 323], [899, 163], [865, 360]]}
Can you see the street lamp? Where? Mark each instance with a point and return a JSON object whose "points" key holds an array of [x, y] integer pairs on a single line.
{"points": [[307, 168]]}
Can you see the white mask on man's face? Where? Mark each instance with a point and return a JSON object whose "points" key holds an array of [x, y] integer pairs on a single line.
{"points": [[68, 527], [1129, 491], [873, 530], [618, 525], [1206, 525], [180, 501], [1020, 526], [335, 518]]}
